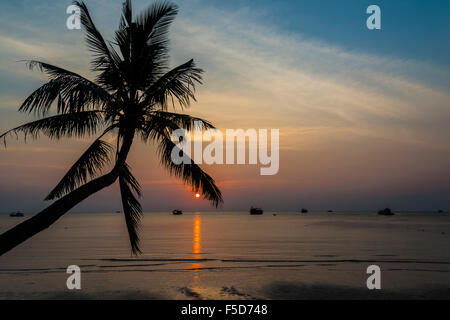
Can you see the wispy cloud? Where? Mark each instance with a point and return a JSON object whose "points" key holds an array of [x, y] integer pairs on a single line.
{"points": [[258, 77]]}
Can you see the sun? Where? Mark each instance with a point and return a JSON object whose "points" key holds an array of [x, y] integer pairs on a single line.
{"points": [[197, 195]]}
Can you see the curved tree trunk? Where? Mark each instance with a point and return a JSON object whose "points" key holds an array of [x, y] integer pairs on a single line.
{"points": [[49, 215]]}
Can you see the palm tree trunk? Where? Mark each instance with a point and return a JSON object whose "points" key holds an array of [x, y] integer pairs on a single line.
{"points": [[49, 215]]}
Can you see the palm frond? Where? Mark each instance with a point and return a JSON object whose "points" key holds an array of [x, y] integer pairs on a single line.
{"points": [[89, 164], [190, 172], [153, 27], [177, 84], [106, 58], [183, 121], [143, 43], [155, 21], [72, 91], [131, 207], [131, 180], [42, 98], [127, 14], [95, 40], [123, 36], [77, 124], [169, 121]]}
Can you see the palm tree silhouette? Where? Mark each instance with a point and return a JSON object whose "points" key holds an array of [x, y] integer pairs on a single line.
{"points": [[133, 90]]}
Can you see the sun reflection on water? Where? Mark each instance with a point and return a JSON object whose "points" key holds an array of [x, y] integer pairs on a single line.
{"points": [[197, 249]]}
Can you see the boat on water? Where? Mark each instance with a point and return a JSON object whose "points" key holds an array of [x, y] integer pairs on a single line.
{"points": [[177, 212], [256, 210], [386, 212], [304, 210], [16, 214]]}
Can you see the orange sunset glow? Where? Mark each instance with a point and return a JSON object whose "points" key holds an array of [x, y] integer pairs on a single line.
{"points": [[234, 150]]}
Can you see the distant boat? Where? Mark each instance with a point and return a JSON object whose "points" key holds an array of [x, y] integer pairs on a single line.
{"points": [[304, 210], [386, 212], [440, 211], [16, 214], [256, 210], [330, 211], [177, 212], [118, 211]]}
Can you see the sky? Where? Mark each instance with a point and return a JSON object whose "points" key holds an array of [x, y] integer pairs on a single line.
{"points": [[363, 114]]}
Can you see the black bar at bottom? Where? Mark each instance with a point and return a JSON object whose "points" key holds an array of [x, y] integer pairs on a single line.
{"points": [[198, 310]]}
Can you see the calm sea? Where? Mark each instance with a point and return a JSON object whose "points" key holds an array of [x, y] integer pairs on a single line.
{"points": [[232, 255]]}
